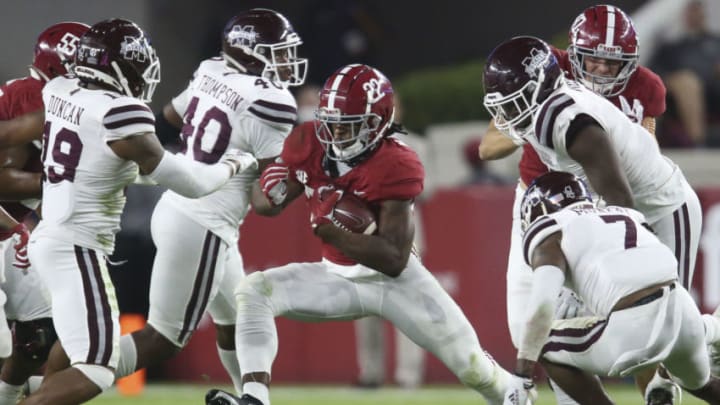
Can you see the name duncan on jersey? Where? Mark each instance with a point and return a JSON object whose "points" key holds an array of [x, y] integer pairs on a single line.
{"points": [[219, 91], [65, 110]]}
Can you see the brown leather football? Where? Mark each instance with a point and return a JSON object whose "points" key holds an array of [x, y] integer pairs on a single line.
{"points": [[353, 215]]}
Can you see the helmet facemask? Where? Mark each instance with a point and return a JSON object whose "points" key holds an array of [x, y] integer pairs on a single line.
{"points": [[280, 60], [364, 133], [606, 86], [513, 113]]}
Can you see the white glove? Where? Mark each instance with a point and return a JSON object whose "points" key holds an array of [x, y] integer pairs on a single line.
{"points": [[569, 305], [239, 161], [521, 392]]}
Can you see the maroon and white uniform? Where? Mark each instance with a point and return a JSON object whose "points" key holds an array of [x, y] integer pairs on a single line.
{"points": [[644, 96], [338, 288], [27, 297], [620, 258], [198, 264], [83, 199]]}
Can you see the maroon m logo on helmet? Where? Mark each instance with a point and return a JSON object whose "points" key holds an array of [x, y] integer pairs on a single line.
{"points": [[242, 36], [133, 48], [535, 62]]}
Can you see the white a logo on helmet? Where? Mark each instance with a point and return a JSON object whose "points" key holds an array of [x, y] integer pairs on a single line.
{"points": [[133, 49], [240, 36], [533, 63], [372, 88]]}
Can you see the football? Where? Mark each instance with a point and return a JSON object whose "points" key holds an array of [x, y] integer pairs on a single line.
{"points": [[353, 215]]}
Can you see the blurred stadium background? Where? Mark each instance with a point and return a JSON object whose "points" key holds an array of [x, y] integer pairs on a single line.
{"points": [[433, 52]]}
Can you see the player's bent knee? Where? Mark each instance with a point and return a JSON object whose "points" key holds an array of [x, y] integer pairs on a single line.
{"points": [[253, 285], [101, 376], [34, 339]]}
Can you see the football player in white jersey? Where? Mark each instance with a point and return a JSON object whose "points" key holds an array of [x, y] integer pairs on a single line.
{"points": [[573, 129], [240, 100], [610, 257], [99, 135]]}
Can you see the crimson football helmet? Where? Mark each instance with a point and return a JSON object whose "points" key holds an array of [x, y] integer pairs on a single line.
{"points": [[263, 43], [356, 110], [520, 73], [604, 32], [117, 54], [550, 193], [55, 49]]}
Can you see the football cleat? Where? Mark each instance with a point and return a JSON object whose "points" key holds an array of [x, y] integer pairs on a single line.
{"points": [[662, 391], [220, 397]]}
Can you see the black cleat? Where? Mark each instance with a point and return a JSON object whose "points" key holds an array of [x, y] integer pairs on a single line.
{"points": [[220, 397], [660, 396]]}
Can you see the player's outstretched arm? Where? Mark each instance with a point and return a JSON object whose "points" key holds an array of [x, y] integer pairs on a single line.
{"points": [[23, 129], [591, 148], [182, 175], [495, 144], [387, 251]]}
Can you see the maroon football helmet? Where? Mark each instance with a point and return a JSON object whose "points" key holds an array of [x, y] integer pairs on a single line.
{"points": [[263, 43], [356, 101], [117, 54], [550, 193], [519, 74], [55, 49], [604, 32]]}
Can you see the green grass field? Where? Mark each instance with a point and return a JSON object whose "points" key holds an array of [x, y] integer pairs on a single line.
{"points": [[156, 394]]}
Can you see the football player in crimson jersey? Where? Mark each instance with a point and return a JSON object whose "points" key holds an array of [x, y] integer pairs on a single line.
{"points": [[603, 55], [197, 264], [28, 302], [347, 150]]}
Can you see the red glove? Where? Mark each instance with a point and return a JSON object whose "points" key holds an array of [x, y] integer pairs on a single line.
{"points": [[273, 182], [323, 207], [22, 234]]}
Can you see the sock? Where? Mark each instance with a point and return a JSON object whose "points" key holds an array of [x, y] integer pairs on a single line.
{"points": [[560, 396], [257, 390], [9, 393], [712, 329], [128, 357], [228, 358]]}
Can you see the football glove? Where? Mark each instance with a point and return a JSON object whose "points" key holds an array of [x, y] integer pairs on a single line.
{"points": [[21, 235], [239, 161], [569, 305], [323, 207], [273, 182]]}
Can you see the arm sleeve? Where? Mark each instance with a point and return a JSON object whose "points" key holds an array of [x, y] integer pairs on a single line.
{"points": [[189, 178], [547, 283]]}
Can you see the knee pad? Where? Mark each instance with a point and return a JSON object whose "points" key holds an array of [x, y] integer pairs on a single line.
{"points": [[101, 376], [34, 339]]}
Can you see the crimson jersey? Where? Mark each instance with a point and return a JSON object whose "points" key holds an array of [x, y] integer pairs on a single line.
{"points": [[18, 97], [392, 172], [643, 97]]}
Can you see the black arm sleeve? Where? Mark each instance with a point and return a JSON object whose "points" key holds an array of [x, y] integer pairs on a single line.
{"points": [[167, 133]]}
